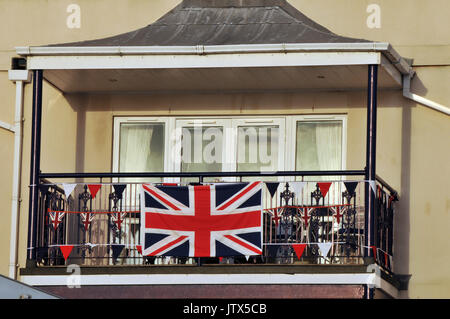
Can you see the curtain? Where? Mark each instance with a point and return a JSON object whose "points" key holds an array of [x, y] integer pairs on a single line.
{"points": [[319, 145], [141, 150]]}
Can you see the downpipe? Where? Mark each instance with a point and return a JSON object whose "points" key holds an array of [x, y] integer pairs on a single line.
{"points": [[419, 99], [19, 77]]}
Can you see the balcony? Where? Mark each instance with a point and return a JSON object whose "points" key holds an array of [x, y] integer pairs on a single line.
{"points": [[318, 222]]}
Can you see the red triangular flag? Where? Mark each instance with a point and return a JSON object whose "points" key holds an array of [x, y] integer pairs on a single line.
{"points": [[324, 187], [66, 250], [299, 248], [220, 259], [94, 188], [139, 249], [374, 249]]}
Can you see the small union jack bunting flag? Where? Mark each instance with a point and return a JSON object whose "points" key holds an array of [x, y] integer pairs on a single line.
{"points": [[86, 219], [56, 218]]}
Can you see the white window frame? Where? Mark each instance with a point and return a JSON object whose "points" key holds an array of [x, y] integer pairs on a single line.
{"points": [[287, 137], [264, 121], [291, 135], [140, 119]]}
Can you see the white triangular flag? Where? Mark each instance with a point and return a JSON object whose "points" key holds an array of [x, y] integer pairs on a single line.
{"points": [[373, 185], [324, 248], [68, 189], [297, 186], [247, 257]]}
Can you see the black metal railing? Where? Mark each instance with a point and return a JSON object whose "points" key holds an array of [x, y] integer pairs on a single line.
{"points": [[101, 225]]}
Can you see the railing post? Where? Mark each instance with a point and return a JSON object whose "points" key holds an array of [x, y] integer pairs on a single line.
{"points": [[370, 174], [35, 165]]}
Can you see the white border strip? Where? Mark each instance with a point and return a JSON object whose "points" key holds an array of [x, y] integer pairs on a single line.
{"points": [[203, 279], [202, 49], [227, 60]]}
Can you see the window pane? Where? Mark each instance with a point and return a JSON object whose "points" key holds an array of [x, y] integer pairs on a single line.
{"points": [[257, 149], [201, 150], [141, 148], [319, 146]]}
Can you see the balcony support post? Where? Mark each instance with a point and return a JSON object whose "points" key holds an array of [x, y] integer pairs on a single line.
{"points": [[35, 163], [370, 175]]}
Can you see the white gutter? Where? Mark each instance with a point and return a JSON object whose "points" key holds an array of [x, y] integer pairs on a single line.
{"points": [[419, 99], [18, 76], [382, 47]]}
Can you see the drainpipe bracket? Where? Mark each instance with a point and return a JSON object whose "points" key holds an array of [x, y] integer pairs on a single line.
{"points": [[19, 75]]}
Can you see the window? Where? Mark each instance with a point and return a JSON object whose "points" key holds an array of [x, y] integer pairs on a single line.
{"points": [[207, 144]]}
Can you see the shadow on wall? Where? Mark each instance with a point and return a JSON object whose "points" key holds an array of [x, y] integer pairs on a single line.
{"points": [[78, 104], [403, 220]]}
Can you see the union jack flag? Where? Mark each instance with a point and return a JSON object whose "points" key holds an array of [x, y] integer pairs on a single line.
{"points": [[118, 219], [202, 221], [86, 219]]}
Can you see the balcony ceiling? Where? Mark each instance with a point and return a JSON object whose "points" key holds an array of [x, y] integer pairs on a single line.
{"points": [[216, 79]]}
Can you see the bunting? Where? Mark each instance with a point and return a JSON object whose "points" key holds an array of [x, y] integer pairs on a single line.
{"points": [[324, 248], [276, 214], [94, 188], [374, 250], [116, 250], [68, 189], [272, 188], [118, 219], [56, 218], [351, 186], [297, 187], [86, 219], [118, 189], [66, 250], [324, 187], [373, 186], [271, 249], [299, 249]]}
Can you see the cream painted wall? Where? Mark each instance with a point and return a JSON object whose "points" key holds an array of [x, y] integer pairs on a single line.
{"points": [[412, 141]]}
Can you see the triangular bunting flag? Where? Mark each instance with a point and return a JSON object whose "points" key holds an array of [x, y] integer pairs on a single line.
{"points": [[374, 250], [276, 212], [66, 250], [272, 250], [324, 187], [68, 189], [220, 259], [247, 257], [118, 219], [86, 219], [139, 249], [299, 248], [116, 250], [297, 186], [373, 186], [94, 188], [44, 188], [118, 189], [56, 218], [351, 187], [272, 188], [324, 248]]}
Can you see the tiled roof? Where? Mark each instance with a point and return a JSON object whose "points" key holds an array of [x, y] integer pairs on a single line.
{"points": [[225, 22]]}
